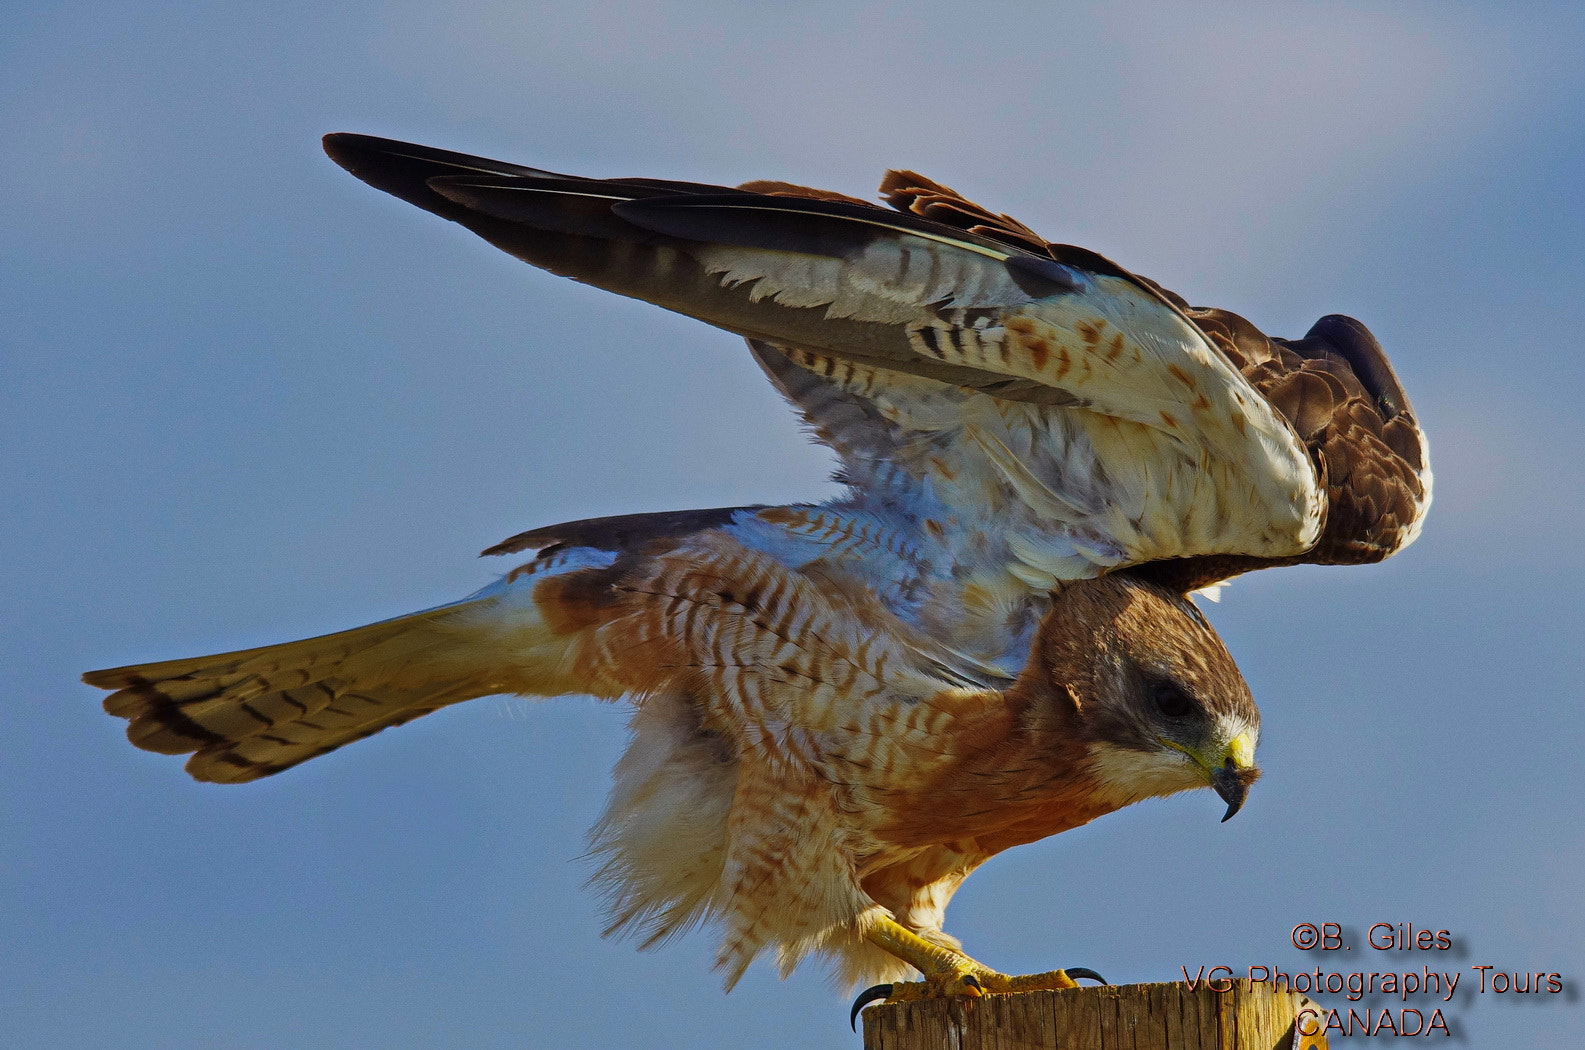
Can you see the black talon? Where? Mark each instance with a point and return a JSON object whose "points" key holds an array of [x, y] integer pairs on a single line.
{"points": [[867, 996], [1075, 972]]}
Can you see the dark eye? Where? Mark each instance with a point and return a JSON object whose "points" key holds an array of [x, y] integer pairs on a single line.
{"points": [[1172, 701]]}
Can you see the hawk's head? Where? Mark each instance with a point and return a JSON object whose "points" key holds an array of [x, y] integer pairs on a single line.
{"points": [[1160, 704]]}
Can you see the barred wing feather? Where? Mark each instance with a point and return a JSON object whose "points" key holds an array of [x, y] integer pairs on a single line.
{"points": [[1102, 415]]}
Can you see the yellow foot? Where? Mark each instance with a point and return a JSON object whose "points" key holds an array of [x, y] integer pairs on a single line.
{"points": [[948, 973], [1051, 980], [969, 981], [945, 984]]}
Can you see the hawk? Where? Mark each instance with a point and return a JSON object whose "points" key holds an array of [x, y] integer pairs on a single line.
{"points": [[840, 710]]}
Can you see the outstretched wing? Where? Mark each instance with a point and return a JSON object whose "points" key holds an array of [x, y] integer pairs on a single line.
{"points": [[1075, 406]]}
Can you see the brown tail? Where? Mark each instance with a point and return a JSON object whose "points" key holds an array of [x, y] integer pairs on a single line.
{"points": [[253, 713]]}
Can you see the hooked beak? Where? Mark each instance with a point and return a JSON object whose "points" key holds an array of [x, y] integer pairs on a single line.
{"points": [[1233, 785], [1232, 778], [1237, 772]]}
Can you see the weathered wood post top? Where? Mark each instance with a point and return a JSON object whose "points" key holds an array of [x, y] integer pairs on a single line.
{"points": [[1131, 1016]]}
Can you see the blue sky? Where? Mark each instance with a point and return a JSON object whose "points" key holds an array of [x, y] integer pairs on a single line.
{"points": [[245, 398]]}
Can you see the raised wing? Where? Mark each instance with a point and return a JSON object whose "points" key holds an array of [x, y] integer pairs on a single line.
{"points": [[1072, 405], [615, 233]]}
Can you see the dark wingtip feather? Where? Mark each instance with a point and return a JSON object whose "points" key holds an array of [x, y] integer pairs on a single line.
{"points": [[403, 169]]}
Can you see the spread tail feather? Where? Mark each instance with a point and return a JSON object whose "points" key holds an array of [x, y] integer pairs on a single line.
{"points": [[256, 712], [536, 632]]}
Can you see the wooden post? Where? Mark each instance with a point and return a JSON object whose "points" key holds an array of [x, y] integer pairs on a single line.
{"points": [[1122, 1017]]}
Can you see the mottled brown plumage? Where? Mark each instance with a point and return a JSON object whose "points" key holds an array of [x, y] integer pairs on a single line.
{"points": [[1335, 387], [840, 710]]}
